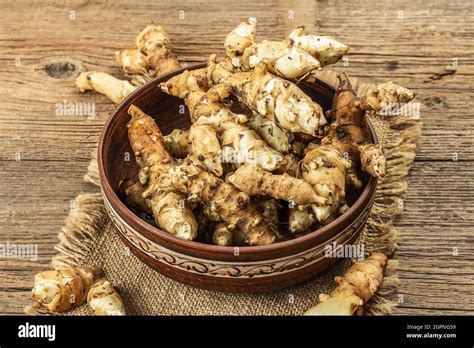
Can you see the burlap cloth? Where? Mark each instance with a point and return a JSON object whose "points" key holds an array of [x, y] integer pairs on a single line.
{"points": [[89, 239]]}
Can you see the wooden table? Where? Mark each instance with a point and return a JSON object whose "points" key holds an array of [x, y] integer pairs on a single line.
{"points": [[44, 155]]}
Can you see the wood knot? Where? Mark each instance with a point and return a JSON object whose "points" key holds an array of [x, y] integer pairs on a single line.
{"points": [[393, 65], [60, 69], [430, 101]]}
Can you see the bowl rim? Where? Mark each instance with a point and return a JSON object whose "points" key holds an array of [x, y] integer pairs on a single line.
{"points": [[126, 213]]}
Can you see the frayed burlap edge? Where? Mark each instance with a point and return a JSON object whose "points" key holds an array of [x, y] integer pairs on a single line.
{"points": [[92, 175], [88, 217]]}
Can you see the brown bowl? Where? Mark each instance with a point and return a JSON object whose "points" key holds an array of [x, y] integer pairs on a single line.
{"points": [[230, 269]]}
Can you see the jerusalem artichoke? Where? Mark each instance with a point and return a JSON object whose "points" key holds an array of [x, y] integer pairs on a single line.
{"points": [[255, 181], [269, 210], [133, 194], [269, 131], [104, 299], [279, 147], [280, 58], [191, 179], [350, 132], [324, 48], [154, 43], [237, 143], [325, 169], [385, 95], [301, 218], [222, 235], [205, 144], [357, 286], [243, 145], [240, 38], [132, 61], [178, 85], [63, 288], [171, 210], [178, 144], [279, 100], [103, 83]]}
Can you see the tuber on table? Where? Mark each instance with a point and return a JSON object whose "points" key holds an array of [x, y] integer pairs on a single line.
{"points": [[132, 61], [384, 95], [152, 56], [357, 286], [103, 83]]}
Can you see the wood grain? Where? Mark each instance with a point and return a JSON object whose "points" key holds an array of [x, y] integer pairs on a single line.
{"points": [[42, 50]]}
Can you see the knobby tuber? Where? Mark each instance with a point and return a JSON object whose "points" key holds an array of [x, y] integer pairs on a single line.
{"points": [[64, 288], [152, 56], [269, 131], [281, 58], [385, 95], [104, 299], [292, 58], [133, 195], [255, 181], [171, 210], [191, 179], [301, 218], [222, 235], [269, 209], [240, 38], [325, 168], [273, 97], [178, 144], [357, 286], [132, 61], [350, 132], [103, 83], [217, 134], [324, 48]]}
